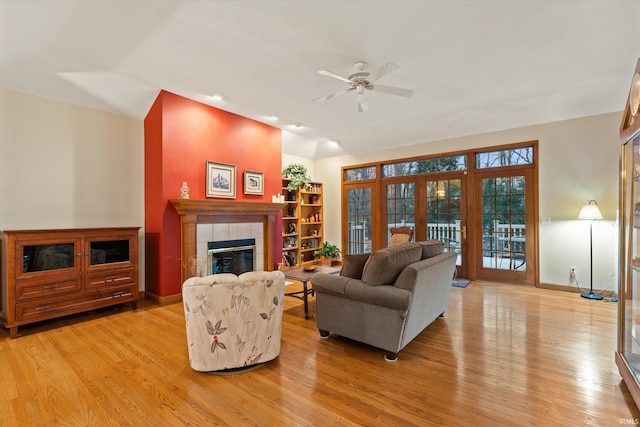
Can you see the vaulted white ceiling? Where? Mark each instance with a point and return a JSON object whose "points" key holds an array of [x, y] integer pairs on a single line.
{"points": [[475, 66]]}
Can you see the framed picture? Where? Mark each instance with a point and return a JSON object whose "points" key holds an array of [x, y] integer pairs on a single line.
{"points": [[221, 180], [253, 182]]}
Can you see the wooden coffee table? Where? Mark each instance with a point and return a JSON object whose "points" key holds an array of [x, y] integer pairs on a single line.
{"points": [[305, 277]]}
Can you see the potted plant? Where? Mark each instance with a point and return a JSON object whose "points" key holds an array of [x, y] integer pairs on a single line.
{"points": [[298, 175], [327, 252]]}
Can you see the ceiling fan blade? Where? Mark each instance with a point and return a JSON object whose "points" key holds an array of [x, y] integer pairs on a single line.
{"points": [[387, 68], [335, 76], [333, 95], [363, 105], [391, 90]]}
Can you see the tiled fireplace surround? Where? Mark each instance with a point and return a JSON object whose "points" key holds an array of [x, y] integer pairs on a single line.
{"points": [[206, 233], [205, 221]]}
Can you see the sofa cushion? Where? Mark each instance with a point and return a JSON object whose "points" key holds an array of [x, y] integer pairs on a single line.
{"points": [[352, 265], [431, 248], [384, 265], [352, 289]]}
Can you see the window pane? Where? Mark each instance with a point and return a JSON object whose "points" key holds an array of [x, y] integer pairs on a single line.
{"points": [[517, 185], [414, 167], [400, 206], [443, 214], [359, 220], [503, 224], [517, 204], [359, 174], [509, 157]]}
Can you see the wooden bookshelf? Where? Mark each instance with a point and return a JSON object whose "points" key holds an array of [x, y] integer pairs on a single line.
{"points": [[302, 229]]}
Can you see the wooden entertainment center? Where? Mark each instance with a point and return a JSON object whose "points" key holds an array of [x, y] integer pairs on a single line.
{"points": [[53, 273]]}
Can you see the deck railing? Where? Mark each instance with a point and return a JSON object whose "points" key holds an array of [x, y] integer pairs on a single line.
{"points": [[449, 233]]}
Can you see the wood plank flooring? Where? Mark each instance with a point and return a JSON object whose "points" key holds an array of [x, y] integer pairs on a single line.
{"points": [[502, 356]]}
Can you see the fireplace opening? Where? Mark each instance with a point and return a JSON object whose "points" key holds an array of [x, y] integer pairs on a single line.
{"points": [[231, 256]]}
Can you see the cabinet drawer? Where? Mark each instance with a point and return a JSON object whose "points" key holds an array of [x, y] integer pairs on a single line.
{"points": [[109, 279], [46, 288], [49, 308]]}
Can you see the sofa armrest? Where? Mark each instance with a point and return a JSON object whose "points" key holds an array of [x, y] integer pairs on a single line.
{"points": [[428, 272], [354, 289], [330, 283]]}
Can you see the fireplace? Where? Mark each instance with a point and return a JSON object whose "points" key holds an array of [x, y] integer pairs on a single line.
{"points": [[231, 256], [226, 213]]}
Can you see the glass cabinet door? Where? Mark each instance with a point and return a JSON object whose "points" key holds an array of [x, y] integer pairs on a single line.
{"points": [[628, 356], [107, 252], [628, 351], [40, 256]]}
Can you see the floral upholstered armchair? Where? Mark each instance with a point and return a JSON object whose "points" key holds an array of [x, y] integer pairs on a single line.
{"points": [[233, 321]]}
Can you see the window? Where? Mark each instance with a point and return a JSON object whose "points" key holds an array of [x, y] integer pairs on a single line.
{"points": [[359, 174], [508, 157], [415, 167], [359, 220], [401, 206]]}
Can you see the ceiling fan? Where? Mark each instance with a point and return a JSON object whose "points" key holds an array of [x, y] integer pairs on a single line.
{"points": [[359, 81]]}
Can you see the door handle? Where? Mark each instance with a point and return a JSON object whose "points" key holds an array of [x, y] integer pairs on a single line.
{"points": [[463, 231]]}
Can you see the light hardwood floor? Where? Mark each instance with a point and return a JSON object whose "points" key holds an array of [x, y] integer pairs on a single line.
{"points": [[502, 356]]}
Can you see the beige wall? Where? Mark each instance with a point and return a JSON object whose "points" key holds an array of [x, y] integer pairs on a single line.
{"points": [[64, 166], [578, 161], [289, 139]]}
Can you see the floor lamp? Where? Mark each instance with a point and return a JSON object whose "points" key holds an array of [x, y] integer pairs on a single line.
{"points": [[592, 212]]}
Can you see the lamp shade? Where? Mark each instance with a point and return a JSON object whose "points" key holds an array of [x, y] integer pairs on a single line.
{"points": [[590, 211]]}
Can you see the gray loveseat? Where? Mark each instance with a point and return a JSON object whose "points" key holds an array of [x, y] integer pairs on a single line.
{"points": [[386, 298]]}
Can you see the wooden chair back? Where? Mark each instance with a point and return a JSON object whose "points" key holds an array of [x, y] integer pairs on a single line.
{"points": [[400, 235]]}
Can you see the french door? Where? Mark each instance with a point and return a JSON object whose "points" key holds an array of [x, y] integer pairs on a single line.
{"points": [[446, 219], [434, 208], [361, 227], [505, 227], [490, 226]]}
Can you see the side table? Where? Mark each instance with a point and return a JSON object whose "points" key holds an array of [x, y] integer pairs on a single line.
{"points": [[305, 277]]}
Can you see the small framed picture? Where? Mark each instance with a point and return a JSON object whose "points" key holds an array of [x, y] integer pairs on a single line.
{"points": [[253, 182], [221, 180]]}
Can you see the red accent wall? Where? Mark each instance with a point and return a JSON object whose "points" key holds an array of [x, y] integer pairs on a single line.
{"points": [[181, 135]]}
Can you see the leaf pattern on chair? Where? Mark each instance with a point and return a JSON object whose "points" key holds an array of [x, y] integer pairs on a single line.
{"points": [[253, 361], [204, 303], [240, 343], [266, 316], [215, 331], [238, 298]]}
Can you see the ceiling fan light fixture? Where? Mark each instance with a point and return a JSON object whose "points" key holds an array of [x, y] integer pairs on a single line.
{"points": [[359, 83], [359, 66]]}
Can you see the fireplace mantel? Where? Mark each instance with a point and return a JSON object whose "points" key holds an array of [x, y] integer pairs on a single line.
{"points": [[198, 211]]}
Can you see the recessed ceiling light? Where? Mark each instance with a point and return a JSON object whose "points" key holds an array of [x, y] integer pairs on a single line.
{"points": [[298, 125], [335, 141], [217, 97], [273, 117]]}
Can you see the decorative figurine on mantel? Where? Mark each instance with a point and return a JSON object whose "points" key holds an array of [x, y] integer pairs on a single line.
{"points": [[184, 192]]}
